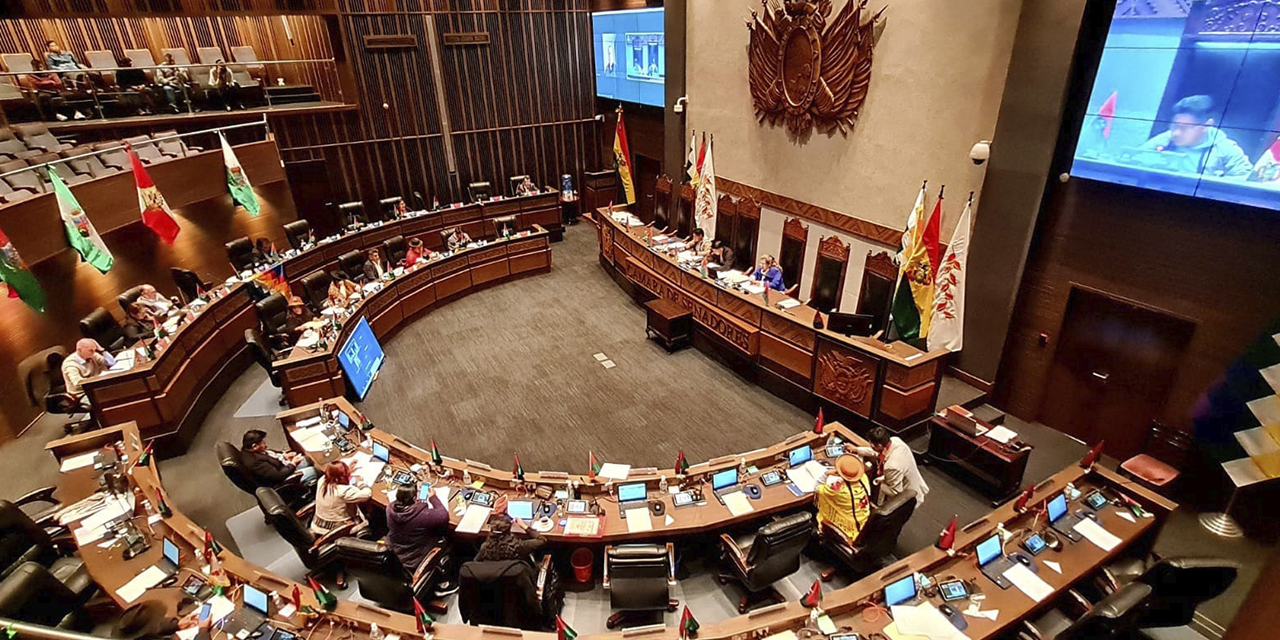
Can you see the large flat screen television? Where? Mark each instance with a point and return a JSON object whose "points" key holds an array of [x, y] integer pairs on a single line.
{"points": [[630, 55], [1187, 100], [360, 358]]}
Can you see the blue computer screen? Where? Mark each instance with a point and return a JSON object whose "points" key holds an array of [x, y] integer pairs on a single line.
{"points": [[381, 452], [632, 492], [630, 55], [361, 358], [1057, 507], [800, 455], [726, 478], [256, 599], [900, 591], [1187, 100], [170, 551], [520, 509], [988, 549]]}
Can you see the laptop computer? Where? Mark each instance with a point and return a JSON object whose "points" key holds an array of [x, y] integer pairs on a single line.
{"points": [[902, 591], [1061, 519], [170, 557], [800, 455], [724, 483], [992, 561], [250, 615], [631, 496]]}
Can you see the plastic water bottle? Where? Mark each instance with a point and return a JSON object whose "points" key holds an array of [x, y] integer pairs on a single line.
{"points": [[375, 633], [662, 483]]}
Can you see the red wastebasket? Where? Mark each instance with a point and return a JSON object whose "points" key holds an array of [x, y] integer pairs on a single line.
{"points": [[582, 561]]}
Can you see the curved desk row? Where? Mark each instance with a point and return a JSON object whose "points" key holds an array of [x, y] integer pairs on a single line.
{"points": [[893, 384], [1077, 560], [168, 396]]}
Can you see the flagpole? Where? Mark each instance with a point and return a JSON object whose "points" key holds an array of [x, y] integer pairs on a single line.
{"points": [[897, 282]]}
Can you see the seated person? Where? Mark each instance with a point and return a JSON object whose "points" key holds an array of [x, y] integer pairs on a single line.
{"points": [[139, 323], [457, 239], [65, 63], [508, 539], [89, 360], [131, 79], [49, 90], [375, 268], [844, 499], [414, 526], [299, 315], [400, 209], [1204, 147], [341, 291], [721, 254], [768, 272], [338, 498], [697, 242], [158, 305], [526, 187], [172, 80], [417, 251], [264, 252], [221, 84], [268, 467]]}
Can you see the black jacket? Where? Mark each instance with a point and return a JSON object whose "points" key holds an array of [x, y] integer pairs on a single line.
{"points": [[266, 470]]}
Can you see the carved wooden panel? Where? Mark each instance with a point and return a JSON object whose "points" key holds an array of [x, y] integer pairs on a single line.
{"points": [[620, 252], [606, 241], [744, 309], [668, 270], [789, 330], [734, 331], [520, 246], [908, 377], [793, 228], [844, 222], [457, 264], [306, 371], [845, 377], [487, 254], [882, 264], [832, 247], [699, 287]]}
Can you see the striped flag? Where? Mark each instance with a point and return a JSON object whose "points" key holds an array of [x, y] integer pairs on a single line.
{"points": [[80, 232], [155, 211], [622, 159]]}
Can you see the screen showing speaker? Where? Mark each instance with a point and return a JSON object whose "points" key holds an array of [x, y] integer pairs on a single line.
{"points": [[630, 55], [361, 357], [1187, 100]]}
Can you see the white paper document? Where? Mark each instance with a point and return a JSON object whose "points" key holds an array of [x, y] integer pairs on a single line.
{"points": [[77, 462], [638, 520], [1028, 583], [614, 471], [473, 519], [307, 422], [924, 620], [151, 577], [738, 503], [1002, 435], [789, 303], [1093, 532], [312, 439], [1053, 565]]}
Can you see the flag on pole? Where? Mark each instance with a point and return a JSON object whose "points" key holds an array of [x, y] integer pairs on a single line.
{"points": [[820, 423], [563, 630], [273, 280], [688, 624], [694, 163], [946, 327], [622, 159], [155, 211], [517, 470], [237, 181], [324, 597], [593, 465], [421, 618], [436, 459], [704, 207], [17, 277], [1107, 112], [682, 463], [814, 596], [913, 301], [947, 537], [80, 232]]}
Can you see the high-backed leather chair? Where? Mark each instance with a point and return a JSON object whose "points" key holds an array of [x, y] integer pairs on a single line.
{"points": [[353, 213], [232, 467], [1112, 617], [34, 595], [315, 289], [828, 275], [1179, 585], [129, 297], [240, 253], [478, 191], [380, 577], [297, 232], [262, 354], [876, 541], [387, 207], [351, 265], [509, 593], [273, 313], [795, 237], [879, 275], [504, 222], [662, 203], [41, 374], [188, 282], [394, 250], [514, 182], [316, 553], [103, 327], [22, 540], [639, 579], [763, 557]]}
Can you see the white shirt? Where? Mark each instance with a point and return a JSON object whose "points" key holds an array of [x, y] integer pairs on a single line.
{"points": [[900, 472]]}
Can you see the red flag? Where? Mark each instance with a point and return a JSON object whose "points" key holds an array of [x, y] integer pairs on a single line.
{"points": [[1093, 455], [688, 624], [296, 597], [814, 596], [1108, 113], [563, 630], [1021, 504], [155, 211], [948, 535], [930, 239], [421, 617], [817, 425]]}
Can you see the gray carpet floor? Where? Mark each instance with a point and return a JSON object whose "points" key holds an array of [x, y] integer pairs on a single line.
{"points": [[512, 370]]}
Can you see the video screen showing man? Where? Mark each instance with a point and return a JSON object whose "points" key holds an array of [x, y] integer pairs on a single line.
{"points": [[1201, 147]]}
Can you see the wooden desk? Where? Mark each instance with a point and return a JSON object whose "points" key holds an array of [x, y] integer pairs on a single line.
{"points": [[998, 469], [860, 379], [670, 323]]}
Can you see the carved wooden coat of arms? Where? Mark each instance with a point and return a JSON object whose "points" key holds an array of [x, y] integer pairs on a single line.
{"points": [[807, 71]]}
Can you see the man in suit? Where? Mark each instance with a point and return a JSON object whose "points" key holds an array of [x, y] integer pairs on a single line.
{"points": [[899, 473], [270, 468]]}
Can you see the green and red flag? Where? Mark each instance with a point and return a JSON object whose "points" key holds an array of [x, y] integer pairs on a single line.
{"points": [[81, 234], [593, 465], [682, 463], [563, 630], [688, 624], [211, 545], [913, 301], [155, 211], [436, 459], [814, 596], [163, 507], [421, 618], [17, 277], [237, 181], [324, 597], [517, 470], [145, 457]]}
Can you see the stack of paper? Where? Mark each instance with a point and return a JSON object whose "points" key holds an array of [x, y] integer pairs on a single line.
{"points": [[307, 422], [582, 526], [613, 471], [75, 462], [150, 577], [753, 288], [474, 519], [1093, 532], [789, 303], [312, 439], [738, 503], [1002, 435], [638, 520], [807, 476], [924, 620], [1028, 583]]}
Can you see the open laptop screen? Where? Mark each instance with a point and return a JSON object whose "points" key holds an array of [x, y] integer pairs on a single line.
{"points": [[726, 478], [988, 549], [1057, 507]]}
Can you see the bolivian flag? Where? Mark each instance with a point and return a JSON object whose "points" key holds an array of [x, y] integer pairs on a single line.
{"points": [[913, 300], [622, 159]]}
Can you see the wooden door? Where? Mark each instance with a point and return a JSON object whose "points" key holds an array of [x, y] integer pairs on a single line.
{"points": [[646, 181], [1112, 370], [312, 193]]}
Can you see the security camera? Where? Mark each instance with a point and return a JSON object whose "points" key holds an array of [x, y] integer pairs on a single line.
{"points": [[599, 117], [980, 152], [679, 106]]}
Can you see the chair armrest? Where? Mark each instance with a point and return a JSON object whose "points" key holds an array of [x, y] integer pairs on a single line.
{"points": [[39, 495], [1030, 632], [544, 573], [341, 532], [1079, 601], [734, 553], [671, 564], [605, 581], [306, 512], [427, 561]]}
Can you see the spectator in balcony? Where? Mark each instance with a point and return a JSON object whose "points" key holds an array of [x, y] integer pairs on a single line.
{"points": [[221, 83], [172, 80], [49, 89], [135, 80], [64, 62]]}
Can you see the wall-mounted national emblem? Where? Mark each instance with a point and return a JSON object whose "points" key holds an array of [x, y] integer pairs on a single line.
{"points": [[808, 69]]}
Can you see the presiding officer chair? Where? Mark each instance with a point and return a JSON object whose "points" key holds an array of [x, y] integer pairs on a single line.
{"points": [[240, 253], [297, 232], [763, 557], [508, 593], [639, 579], [381, 579], [317, 553], [33, 594], [315, 289], [394, 250], [1113, 617], [100, 325], [875, 543]]}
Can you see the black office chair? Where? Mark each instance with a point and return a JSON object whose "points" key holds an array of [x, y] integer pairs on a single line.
{"points": [[875, 543], [639, 579], [353, 213], [387, 207], [292, 489], [515, 182], [297, 232], [32, 594], [1113, 617], [761, 558], [264, 355], [351, 265], [504, 222], [478, 191], [381, 579], [189, 284], [22, 540], [315, 289], [1179, 585], [100, 325], [507, 593], [129, 297], [316, 553], [419, 202], [273, 316], [41, 374], [240, 253], [394, 250]]}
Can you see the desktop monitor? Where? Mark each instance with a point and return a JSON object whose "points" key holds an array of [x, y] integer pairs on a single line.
{"points": [[726, 478], [851, 324], [170, 551], [1057, 507], [381, 451], [989, 549], [800, 455], [361, 357], [900, 591], [632, 492], [256, 599]]}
